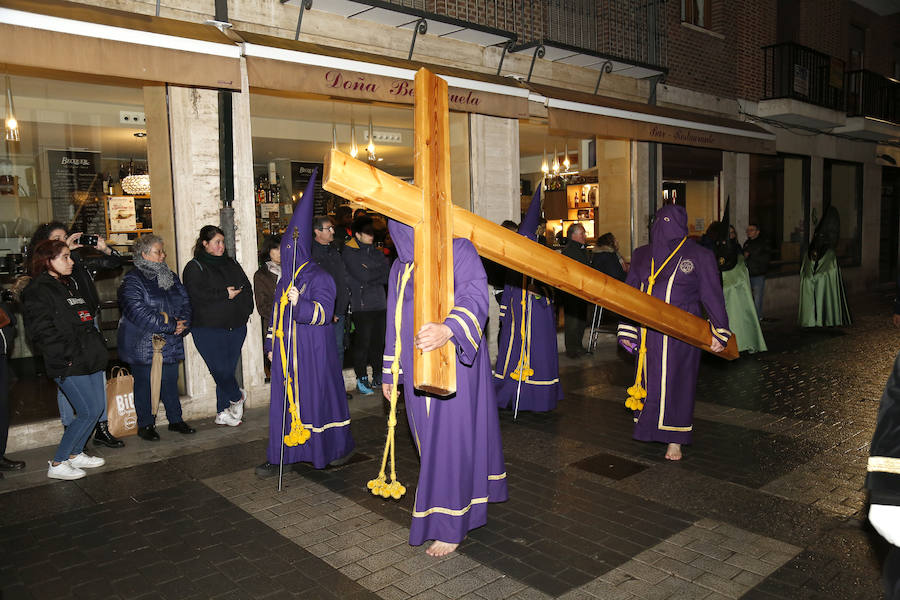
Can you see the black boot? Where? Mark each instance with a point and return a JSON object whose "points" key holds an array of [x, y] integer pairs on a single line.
{"points": [[102, 436]]}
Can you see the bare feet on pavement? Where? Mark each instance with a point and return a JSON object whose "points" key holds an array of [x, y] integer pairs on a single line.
{"points": [[439, 548], [673, 452]]}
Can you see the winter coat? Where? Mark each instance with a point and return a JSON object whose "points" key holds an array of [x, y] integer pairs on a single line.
{"points": [[85, 268], [367, 275], [142, 304], [758, 259], [573, 305], [329, 258], [207, 282], [264, 282], [61, 327]]}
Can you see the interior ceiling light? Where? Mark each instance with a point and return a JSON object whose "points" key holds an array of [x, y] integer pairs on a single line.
{"points": [[12, 125], [136, 185], [140, 134], [354, 149], [565, 162], [555, 161], [370, 148], [545, 168]]}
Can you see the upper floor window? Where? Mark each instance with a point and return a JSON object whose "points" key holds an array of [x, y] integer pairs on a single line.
{"points": [[696, 12], [857, 48]]}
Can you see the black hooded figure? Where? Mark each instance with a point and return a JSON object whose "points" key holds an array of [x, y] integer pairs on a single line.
{"points": [[822, 299]]}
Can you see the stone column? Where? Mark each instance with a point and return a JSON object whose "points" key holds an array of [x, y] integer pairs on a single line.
{"points": [[494, 161]]}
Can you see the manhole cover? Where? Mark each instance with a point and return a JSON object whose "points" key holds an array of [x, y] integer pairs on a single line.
{"points": [[609, 465]]}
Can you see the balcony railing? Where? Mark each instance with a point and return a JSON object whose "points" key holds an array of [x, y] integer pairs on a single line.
{"points": [[801, 73], [872, 95], [633, 31]]}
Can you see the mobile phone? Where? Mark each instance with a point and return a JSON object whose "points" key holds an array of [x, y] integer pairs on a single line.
{"points": [[88, 240]]}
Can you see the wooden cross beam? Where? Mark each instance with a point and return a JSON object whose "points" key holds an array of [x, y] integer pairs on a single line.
{"points": [[391, 196]]}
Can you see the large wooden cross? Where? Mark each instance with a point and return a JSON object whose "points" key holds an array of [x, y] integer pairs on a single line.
{"points": [[426, 206]]}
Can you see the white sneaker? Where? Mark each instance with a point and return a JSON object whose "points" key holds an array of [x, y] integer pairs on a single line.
{"points": [[64, 471], [83, 461], [237, 408], [226, 418]]}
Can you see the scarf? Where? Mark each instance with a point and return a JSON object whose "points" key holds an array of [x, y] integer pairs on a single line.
{"points": [[161, 272], [275, 269], [211, 259]]}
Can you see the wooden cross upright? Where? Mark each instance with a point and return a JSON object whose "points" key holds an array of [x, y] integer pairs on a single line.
{"points": [[426, 206]]}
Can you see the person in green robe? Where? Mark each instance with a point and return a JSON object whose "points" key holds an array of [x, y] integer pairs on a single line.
{"points": [[822, 299]]}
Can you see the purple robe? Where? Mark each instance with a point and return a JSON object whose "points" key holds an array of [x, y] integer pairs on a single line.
{"points": [[458, 437], [312, 357], [689, 280], [541, 390]]}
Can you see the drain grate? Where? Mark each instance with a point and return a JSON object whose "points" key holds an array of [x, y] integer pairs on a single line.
{"points": [[610, 465]]}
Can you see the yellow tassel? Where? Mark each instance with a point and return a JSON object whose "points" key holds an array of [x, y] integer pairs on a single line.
{"points": [[299, 434]]}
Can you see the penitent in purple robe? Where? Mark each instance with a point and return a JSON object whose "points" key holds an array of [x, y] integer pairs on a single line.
{"points": [[311, 352], [540, 390], [689, 280], [458, 437]]}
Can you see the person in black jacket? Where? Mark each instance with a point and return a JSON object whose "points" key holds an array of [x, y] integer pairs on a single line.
{"points": [[7, 335], [60, 324], [154, 304], [265, 279], [574, 307], [221, 302], [327, 256], [756, 256], [607, 259], [367, 274], [86, 265]]}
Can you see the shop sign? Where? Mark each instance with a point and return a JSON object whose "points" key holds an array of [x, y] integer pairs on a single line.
{"points": [[271, 74]]}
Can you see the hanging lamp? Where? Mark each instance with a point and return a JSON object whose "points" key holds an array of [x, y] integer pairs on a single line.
{"points": [[12, 125]]}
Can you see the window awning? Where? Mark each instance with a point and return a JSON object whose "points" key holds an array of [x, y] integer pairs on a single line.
{"points": [[299, 67], [577, 114], [75, 38]]}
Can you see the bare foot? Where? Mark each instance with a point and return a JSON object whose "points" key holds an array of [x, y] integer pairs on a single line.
{"points": [[673, 452], [439, 548]]}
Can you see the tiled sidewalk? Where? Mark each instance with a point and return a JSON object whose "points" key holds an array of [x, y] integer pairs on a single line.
{"points": [[767, 503]]}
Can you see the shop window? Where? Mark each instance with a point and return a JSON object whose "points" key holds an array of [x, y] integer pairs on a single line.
{"points": [[779, 204], [697, 12], [71, 163], [842, 189]]}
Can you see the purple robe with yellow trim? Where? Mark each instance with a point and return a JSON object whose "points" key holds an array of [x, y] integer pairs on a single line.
{"points": [[689, 280], [311, 351], [458, 437], [540, 390]]}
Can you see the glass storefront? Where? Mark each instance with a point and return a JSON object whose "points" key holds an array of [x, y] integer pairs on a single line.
{"points": [[80, 159], [843, 190], [779, 204]]}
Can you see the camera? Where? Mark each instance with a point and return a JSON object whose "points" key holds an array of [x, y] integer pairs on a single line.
{"points": [[88, 240]]}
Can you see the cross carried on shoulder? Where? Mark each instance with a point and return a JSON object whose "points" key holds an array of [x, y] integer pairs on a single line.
{"points": [[426, 206]]}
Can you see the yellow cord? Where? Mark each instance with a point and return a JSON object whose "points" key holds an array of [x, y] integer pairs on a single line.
{"points": [[299, 433], [523, 369], [380, 486], [638, 392]]}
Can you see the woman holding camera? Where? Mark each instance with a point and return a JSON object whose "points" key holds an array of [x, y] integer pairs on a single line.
{"points": [[60, 324], [154, 304], [105, 259], [222, 301]]}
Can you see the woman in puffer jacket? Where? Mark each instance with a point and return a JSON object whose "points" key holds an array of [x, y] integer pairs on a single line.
{"points": [[153, 302]]}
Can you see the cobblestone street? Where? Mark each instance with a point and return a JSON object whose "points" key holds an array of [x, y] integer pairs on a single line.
{"points": [[767, 503]]}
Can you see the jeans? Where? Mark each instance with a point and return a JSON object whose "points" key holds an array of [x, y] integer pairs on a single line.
{"points": [[757, 287], [221, 350], [339, 339], [67, 413], [87, 395], [168, 394], [368, 342]]}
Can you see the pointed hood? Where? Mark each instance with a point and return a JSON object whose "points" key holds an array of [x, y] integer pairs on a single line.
{"points": [[669, 227], [302, 221], [532, 219], [403, 237]]}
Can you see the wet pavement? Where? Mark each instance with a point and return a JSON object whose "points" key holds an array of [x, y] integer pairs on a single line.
{"points": [[767, 503]]}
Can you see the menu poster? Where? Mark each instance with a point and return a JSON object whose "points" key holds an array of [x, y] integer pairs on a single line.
{"points": [[122, 215], [74, 189], [300, 174]]}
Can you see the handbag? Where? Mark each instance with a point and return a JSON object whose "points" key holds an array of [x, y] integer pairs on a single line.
{"points": [[120, 403]]}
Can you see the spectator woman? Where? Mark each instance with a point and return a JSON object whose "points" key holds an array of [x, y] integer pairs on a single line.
{"points": [[87, 264], [221, 302], [265, 278], [153, 304], [60, 324]]}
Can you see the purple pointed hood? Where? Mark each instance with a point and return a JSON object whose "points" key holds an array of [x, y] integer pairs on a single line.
{"points": [[403, 237], [302, 221], [669, 228], [532, 219]]}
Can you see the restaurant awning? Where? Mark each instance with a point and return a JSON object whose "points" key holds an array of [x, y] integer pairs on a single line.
{"points": [[578, 114], [75, 38]]}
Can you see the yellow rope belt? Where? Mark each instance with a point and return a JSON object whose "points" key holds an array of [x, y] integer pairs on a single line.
{"points": [[380, 486], [523, 369], [299, 433], [638, 392]]}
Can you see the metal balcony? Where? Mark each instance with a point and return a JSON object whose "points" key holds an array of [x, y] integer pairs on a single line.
{"points": [[873, 106], [802, 86]]}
